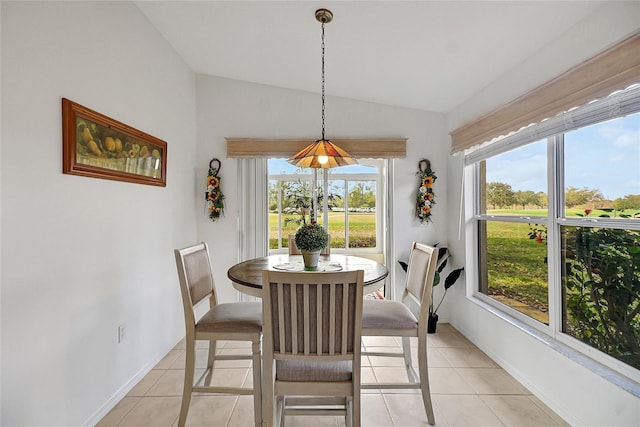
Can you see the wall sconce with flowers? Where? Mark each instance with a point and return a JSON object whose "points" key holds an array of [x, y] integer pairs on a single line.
{"points": [[214, 196], [425, 197]]}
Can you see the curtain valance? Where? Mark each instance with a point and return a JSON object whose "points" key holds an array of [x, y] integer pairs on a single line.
{"points": [[383, 148], [611, 70]]}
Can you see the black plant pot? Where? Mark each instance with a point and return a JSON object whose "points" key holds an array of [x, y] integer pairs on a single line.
{"points": [[432, 323]]}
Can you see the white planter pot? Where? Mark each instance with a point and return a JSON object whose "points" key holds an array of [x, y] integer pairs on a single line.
{"points": [[310, 260]]}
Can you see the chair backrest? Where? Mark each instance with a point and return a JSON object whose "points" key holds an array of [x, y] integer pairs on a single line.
{"points": [[421, 272], [312, 315], [196, 278], [293, 248]]}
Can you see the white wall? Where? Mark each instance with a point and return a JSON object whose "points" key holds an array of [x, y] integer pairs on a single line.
{"points": [[230, 108], [577, 394], [0, 216], [81, 255]]}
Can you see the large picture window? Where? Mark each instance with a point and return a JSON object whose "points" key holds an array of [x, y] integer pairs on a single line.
{"points": [[557, 230]]}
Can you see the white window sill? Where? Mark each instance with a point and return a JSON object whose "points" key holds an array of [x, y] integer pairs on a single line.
{"points": [[594, 366]]}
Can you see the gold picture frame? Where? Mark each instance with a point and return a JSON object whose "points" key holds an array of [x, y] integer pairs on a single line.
{"points": [[97, 146]]}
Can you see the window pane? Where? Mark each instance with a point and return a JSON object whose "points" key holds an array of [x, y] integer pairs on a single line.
{"points": [[513, 268], [601, 290], [354, 169], [515, 182], [289, 207], [602, 169], [337, 213], [362, 214], [274, 214]]}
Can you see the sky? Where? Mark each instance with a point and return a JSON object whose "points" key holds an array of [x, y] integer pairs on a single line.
{"points": [[605, 157]]}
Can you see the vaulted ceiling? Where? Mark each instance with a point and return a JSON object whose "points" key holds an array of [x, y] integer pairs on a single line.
{"points": [[430, 55]]}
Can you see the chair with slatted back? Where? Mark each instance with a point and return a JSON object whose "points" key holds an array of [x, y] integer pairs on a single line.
{"points": [[237, 321], [311, 346], [406, 318], [294, 250]]}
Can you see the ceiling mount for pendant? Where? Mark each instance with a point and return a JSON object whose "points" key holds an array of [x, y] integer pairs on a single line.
{"points": [[324, 16]]}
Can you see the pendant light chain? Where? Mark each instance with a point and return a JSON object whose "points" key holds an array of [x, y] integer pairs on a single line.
{"points": [[323, 81], [322, 153]]}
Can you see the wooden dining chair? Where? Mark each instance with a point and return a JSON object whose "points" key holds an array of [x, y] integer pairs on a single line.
{"points": [[312, 344], [294, 250], [406, 318], [237, 321]]}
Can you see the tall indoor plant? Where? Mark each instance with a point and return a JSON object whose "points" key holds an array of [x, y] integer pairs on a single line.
{"points": [[311, 239], [450, 280]]}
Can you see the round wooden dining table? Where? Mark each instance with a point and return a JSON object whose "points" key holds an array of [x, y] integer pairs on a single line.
{"points": [[247, 276]]}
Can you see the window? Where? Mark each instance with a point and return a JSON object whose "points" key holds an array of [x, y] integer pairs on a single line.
{"points": [[513, 208], [600, 237], [352, 208], [557, 228]]}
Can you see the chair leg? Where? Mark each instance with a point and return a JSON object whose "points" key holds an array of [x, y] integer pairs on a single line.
{"points": [[355, 410], [424, 378], [406, 351], [280, 410], [348, 412], [189, 368], [210, 361], [355, 397], [267, 394], [257, 382]]}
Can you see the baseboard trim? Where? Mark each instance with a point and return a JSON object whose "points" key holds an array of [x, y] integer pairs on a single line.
{"points": [[101, 412]]}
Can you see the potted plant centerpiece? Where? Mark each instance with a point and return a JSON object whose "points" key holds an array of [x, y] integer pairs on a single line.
{"points": [[311, 239]]}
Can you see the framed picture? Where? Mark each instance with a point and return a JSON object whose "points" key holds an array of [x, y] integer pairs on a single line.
{"points": [[97, 146]]}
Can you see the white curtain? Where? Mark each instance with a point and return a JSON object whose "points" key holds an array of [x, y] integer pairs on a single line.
{"points": [[253, 219]]}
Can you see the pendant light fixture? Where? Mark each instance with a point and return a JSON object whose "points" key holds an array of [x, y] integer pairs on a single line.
{"points": [[322, 153]]}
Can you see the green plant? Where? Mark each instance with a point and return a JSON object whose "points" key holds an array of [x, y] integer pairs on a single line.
{"points": [[602, 273], [449, 281], [297, 202], [311, 237]]}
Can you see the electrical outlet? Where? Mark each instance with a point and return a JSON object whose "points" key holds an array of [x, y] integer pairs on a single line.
{"points": [[121, 333]]}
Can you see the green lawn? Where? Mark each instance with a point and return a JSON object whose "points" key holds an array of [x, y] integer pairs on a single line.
{"points": [[362, 229], [570, 212], [516, 264]]}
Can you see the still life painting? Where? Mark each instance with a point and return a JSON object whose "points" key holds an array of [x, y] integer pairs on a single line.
{"points": [[97, 146]]}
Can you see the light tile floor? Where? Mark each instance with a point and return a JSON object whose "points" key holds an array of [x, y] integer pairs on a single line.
{"points": [[467, 389]]}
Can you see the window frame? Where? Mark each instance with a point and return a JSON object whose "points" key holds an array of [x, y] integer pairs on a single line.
{"points": [[477, 217], [380, 165], [555, 219]]}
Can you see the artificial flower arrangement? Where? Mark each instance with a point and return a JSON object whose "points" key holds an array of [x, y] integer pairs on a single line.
{"points": [[214, 196], [425, 197]]}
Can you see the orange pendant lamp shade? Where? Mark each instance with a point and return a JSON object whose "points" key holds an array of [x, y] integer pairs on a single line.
{"points": [[321, 154]]}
